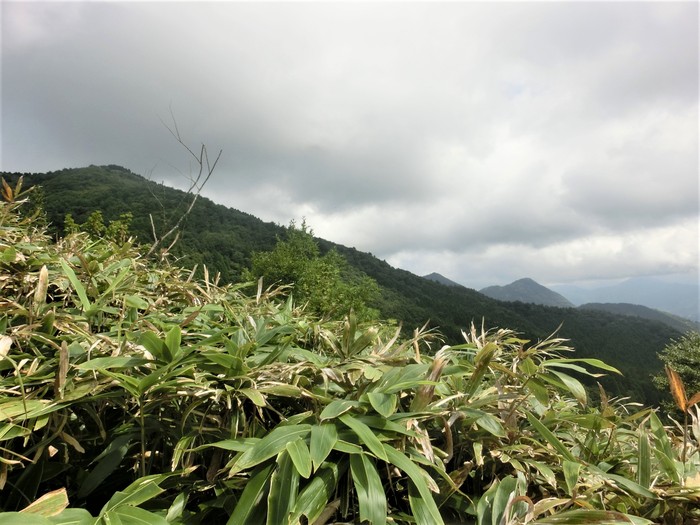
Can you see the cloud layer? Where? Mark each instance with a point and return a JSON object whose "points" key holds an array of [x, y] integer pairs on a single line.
{"points": [[484, 141]]}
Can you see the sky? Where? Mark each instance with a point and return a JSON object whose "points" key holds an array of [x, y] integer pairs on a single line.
{"points": [[486, 141]]}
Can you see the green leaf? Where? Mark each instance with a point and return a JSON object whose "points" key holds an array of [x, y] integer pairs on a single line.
{"points": [[178, 505], [140, 491], [424, 505], [250, 508], [269, 446], [301, 458], [156, 346], [366, 435], [105, 363], [369, 489], [73, 517], [77, 286], [127, 515], [254, 395], [587, 361], [133, 301], [573, 385], [491, 424], [337, 408], [21, 518], [316, 495], [323, 439], [109, 461], [384, 404], [172, 341], [643, 459], [550, 437], [284, 487], [571, 471]]}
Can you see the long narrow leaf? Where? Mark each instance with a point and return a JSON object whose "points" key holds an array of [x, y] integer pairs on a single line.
{"points": [[269, 446], [251, 505], [366, 436], [316, 495], [368, 486], [423, 507], [550, 437], [284, 486], [77, 286], [299, 452], [323, 438]]}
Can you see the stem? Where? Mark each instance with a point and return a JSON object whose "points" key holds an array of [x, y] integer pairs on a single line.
{"points": [[142, 421], [685, 444]]}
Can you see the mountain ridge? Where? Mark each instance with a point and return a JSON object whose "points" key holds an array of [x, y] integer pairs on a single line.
{"points": [[527, 290]]}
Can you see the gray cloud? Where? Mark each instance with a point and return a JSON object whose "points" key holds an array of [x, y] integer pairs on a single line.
{"points": [[480, 140]]}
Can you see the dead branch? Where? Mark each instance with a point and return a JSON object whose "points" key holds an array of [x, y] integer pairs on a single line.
{"points": [[204, 171]]}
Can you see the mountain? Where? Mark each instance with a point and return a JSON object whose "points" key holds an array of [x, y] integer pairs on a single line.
{"points": [[440, 279], [224, 239], [635, 310], [527, 291], [681, 299]]}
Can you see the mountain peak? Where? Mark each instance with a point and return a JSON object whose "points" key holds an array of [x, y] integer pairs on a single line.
{"points": [[527, 290], [440, 279]]}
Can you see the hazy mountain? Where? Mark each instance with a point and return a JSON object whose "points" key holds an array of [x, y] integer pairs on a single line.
{"points": [[527, 291], [676, 298], [635, 310], [440, 279]]}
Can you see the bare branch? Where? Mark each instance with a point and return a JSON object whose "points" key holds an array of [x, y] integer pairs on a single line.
{"points": [[197, 183]]}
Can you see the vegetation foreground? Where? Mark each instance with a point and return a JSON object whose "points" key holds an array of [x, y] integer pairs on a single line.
{"points": [[132, 392]]}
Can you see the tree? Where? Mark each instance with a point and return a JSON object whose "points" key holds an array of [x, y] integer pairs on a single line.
{"points": [[683, 356], [327, 284]]}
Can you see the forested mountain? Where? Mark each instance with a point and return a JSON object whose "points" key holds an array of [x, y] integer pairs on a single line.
{"points": [[635, 310], [527, 291], [681, 299], [224, 240]]}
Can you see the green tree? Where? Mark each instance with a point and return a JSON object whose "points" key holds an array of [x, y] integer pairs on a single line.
{"points": [[683, 356], [326, 283]]}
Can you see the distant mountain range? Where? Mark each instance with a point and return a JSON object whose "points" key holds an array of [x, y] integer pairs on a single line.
{"points": [[527, 291], [677, 298]]}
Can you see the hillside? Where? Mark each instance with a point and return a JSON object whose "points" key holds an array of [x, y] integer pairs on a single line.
{"points": [[224, 240], [527, 291]]}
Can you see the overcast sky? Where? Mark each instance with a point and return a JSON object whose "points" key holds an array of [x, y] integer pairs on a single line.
{"points": [[483, 141]]}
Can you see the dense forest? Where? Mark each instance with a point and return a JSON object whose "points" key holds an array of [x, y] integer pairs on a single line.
{"points": [[225, 240]]}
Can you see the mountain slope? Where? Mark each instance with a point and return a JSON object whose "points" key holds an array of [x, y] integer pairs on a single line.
{"points": [[527, 291], [224, 239]]}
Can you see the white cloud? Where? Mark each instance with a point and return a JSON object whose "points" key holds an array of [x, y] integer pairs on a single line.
{"points": [[483, 141]]}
